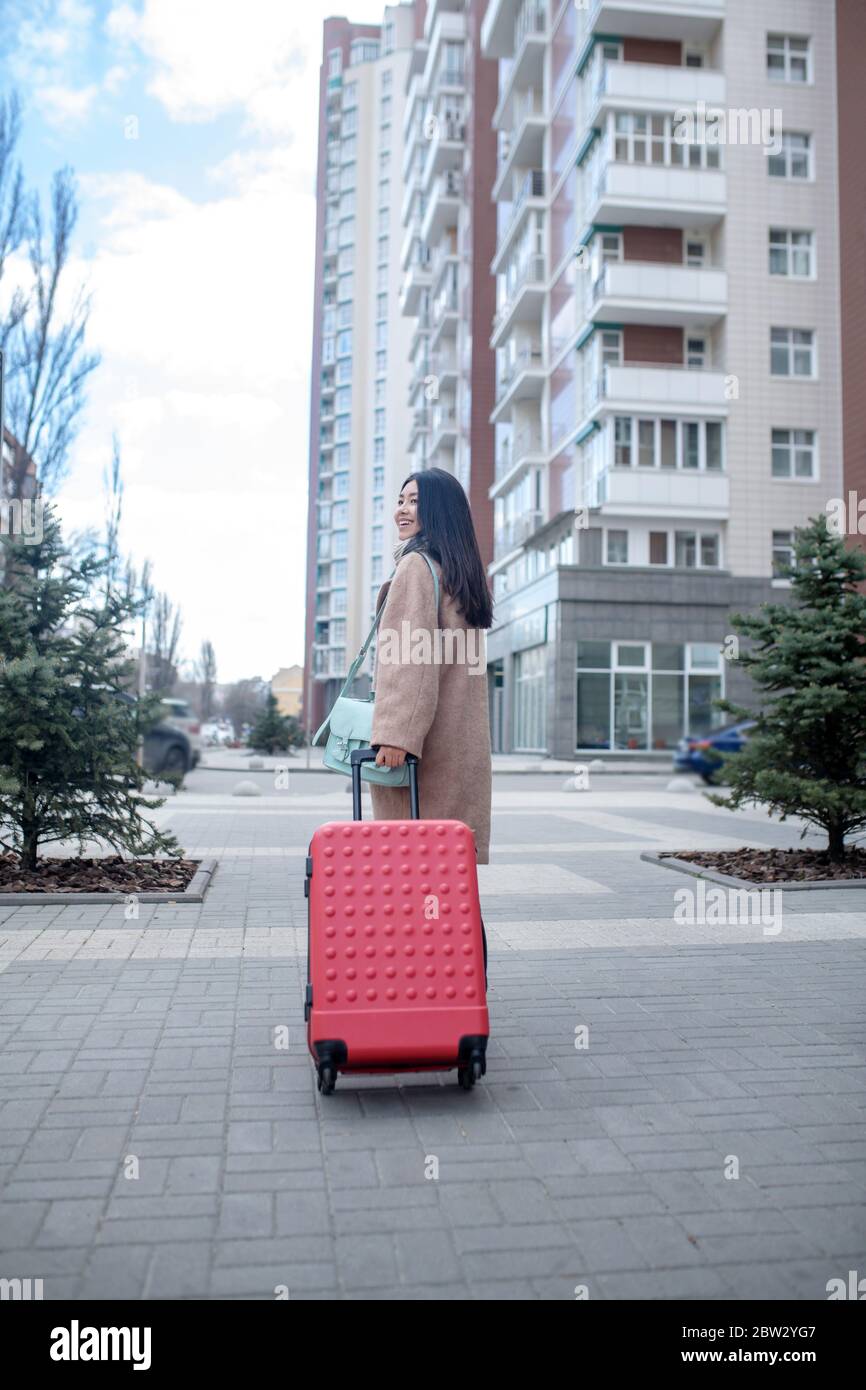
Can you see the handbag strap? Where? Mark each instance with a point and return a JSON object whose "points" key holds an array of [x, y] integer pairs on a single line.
{"points": [[356, 664]]}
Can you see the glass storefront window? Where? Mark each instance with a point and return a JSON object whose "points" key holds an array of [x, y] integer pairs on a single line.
{"points": [[529, 700], [630, 709], [622, 704], [669, 703], [593, 709]]}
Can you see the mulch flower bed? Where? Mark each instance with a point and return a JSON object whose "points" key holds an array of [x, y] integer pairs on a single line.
{"points": [[776, 865], [110, 875]]}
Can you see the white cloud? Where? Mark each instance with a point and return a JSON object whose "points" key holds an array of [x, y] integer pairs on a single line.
{"points": [[203, 313], [65, 106], [210, 58]]}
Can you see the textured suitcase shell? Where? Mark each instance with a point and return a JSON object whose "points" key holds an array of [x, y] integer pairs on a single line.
{"points": [[396, 963]]}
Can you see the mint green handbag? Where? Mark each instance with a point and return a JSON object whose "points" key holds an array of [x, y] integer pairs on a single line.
{"points": [[350, 722]]}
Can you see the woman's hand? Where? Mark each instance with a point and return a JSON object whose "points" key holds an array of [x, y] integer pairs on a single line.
{"points": [[390, 757]]}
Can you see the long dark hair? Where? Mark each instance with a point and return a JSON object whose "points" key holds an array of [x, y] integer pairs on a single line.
{"points": [[447, 533]]}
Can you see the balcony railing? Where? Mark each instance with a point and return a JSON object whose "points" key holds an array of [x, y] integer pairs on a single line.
{"points": [[530, 20], [513, 533], [522, 360], [519, 446], [445, 303], [529, 271], [530, 186]]}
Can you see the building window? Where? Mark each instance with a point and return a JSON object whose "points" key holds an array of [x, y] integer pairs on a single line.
{"points": [[378, 536], [335, 62], [379, 422], [611, 247], [622, 441], [641, 138], [364, 51], [341, 485], [617, 547], [783, 553], [696, 251], [685, 550], [637, 695], [340, 514], [696, 353], [791, 253], [794, 454], [529, 700], [350, 95], [338, 572], [337, 632], [668, 443], [378, 479], [385, 110], [792, 352], [338, 600], [343, 399], [344, 343], [788, 59], [378, 450], [794, 160], [341, 543], [658, 547], [381, 361]]}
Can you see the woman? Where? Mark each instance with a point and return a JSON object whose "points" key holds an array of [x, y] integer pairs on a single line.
{"points": [[435, 709]]}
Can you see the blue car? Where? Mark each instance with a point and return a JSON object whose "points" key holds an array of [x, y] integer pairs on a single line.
{"points": [[704, 753]]}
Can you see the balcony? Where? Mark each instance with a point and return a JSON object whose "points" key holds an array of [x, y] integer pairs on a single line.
{"points": [[525, 298], [444, 313], [636, 385], [619, 194], [527, 43], [521, 379], [415, 281], [528, 193], [654, 293], [669, 492], [443, 426], [443, 206], [434, 9], [420, 424], [653, 87], [523, 448], [445, 256], [513, 534], [447, 134], [449, 28], [523, 145], [691, 20], [443, 365]]}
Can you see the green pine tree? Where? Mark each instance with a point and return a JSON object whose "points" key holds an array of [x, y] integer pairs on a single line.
{"points": [[806, 756], [69, 732], [275, 732]]}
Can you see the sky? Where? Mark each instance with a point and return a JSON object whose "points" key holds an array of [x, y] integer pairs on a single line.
{"points": [[191, 126]]}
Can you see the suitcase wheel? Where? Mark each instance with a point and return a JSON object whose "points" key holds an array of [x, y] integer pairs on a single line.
{"points": [[467, 1076], [326, 1079]]}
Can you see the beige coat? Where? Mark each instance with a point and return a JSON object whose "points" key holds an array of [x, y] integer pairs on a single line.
{"points": [[436, 710]]}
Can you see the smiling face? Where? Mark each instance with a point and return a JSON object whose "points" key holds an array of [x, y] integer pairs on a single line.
{"points": [[406, 515]]}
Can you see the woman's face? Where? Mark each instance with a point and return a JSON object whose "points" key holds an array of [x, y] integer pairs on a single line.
{"points": [[406, 515]]}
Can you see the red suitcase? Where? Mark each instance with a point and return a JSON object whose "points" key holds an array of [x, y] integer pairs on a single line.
{"points": [[395, 948]]}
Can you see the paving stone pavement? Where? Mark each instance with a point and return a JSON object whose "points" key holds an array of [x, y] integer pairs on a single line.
{"points": [[161, 1135]]}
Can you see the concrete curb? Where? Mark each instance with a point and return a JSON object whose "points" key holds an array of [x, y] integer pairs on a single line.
{"points": [[193, 893], [683, 866]]}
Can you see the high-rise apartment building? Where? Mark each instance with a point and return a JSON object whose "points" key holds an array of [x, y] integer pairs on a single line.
{"points": [[622, 242], [449, 241], [668, 340], [359, 416]]}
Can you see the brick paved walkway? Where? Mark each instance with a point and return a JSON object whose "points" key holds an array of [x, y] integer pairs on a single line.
{"points": [[155, 1142]]}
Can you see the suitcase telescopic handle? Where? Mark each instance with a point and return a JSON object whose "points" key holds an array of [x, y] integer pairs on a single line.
{"points": [[368, 755]]}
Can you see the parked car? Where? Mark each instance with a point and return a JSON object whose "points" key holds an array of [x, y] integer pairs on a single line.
{"points": [[179, 713], [705, 753], [167, 749]]}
